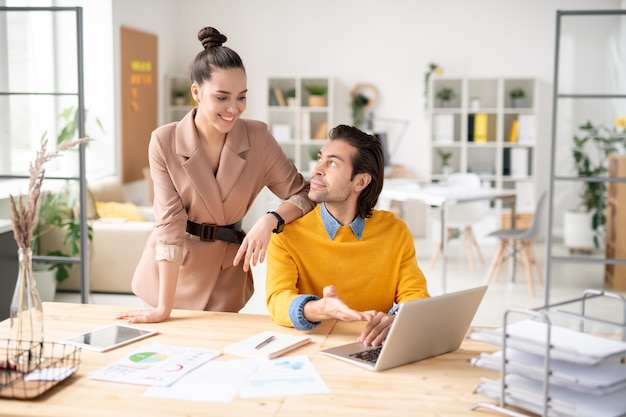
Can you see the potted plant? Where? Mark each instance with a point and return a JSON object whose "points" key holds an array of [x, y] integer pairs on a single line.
{"points": [[313, 155], [291, 97], [584, 227], [446, 168], [517, 97], [446, 95], [56, 215], [179, 97], [317, 94], [359, 104]]}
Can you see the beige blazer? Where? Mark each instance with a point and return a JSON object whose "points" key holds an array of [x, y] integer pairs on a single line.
{"points": [[185, 188]]}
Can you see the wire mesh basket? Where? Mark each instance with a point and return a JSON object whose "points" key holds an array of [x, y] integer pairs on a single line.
{"points": [[28, 369]]}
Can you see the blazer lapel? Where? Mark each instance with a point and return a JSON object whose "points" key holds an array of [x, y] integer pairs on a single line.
{"points": [[233, 158], [198, 168]]}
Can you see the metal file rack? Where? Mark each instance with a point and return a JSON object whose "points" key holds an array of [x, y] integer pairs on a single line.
{"points": [[543, 314], [82, 259], [558, 97]]}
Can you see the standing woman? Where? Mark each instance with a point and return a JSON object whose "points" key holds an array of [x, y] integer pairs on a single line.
{"points": [[207, 171]]}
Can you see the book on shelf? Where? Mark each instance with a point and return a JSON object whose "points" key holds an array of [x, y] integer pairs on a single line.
{"points": [[519, 162], [470, 127], [322, 131], [305, 125], [513, 133], [267, 344], [272, 97], [526, 128], [443, 128], [280, 97], [480, 128]]}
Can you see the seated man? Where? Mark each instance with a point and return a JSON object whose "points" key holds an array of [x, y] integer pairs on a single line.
{"points": [[344, 260]]}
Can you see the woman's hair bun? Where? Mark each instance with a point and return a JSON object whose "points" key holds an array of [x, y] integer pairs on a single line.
{"points": [[211, 37]]}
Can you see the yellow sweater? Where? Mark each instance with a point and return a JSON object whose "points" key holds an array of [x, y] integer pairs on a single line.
{"points": [[370, 274]]}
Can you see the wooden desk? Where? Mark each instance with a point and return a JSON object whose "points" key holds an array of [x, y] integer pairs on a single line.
{"points": [[441, 386]]}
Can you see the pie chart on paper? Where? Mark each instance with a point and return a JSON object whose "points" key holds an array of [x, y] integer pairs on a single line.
{"points": [[148, 357]]}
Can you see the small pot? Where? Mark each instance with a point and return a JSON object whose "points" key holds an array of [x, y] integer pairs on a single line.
{"points": [[317, 101]]}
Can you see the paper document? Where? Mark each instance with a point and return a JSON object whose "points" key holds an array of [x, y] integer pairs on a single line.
{"points": [[215, 381], [155, 364], [530, 336], [528, 394], [601, 379], [292, 375]]}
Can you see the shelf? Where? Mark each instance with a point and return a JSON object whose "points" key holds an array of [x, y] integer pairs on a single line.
{"points": [[477, 128], [298, 126]]}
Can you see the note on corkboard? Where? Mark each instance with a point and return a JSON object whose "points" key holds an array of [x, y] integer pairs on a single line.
{"points": [[139, 100]]}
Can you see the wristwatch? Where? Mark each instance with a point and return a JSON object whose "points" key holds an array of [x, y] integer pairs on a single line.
{"points": [[281, 222]]}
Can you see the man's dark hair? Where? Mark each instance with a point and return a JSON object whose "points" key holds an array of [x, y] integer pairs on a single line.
{"points": [[368, 158]]}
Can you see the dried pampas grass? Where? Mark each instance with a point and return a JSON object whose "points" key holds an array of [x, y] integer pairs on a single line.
{"points": [[24, 208]]}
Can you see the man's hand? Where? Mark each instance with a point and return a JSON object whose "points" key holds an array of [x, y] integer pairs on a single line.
{"points": [[332, 307], [376, 330]]}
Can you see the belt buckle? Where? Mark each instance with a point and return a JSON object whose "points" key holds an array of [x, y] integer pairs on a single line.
{"points": [[208, 232]]}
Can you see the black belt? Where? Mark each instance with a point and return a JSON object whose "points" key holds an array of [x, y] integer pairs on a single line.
{"points": [[210, 232]]}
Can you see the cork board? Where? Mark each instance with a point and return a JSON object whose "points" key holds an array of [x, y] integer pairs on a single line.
{"points": [[139, 100]]}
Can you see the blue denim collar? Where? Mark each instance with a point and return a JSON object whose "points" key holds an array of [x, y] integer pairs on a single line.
{"points": [[332, 225]]}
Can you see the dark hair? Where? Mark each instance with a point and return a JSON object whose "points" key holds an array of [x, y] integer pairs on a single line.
{"points": [[215, 55], [369, 159]]}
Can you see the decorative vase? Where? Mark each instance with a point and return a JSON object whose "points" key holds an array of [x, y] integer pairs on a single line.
{"points": [[26, 340]]}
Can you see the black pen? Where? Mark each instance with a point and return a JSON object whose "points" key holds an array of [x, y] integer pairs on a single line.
{"points": [[265, 342]]}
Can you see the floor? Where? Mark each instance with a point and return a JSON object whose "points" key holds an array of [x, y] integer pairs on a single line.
{"points": [[568, 283]]}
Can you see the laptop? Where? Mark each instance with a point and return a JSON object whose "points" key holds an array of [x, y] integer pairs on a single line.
{"points": [[422, 329]]}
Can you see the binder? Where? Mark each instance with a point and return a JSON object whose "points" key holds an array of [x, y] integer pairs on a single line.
{"points": [[526, 128], [480, 128], [514, 131], [443, 128], [470, 128], [519, 162]]}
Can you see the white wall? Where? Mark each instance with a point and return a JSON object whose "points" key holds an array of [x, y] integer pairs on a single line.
{"points": [[389, 44]]}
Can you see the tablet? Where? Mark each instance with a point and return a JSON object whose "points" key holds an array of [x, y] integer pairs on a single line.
{"points": [[109, 337]]}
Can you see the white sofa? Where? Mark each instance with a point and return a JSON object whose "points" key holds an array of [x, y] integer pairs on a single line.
{"points": [[116, 246]]}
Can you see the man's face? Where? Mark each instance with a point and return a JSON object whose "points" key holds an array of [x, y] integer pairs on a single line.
{"points": [[330, 180]]}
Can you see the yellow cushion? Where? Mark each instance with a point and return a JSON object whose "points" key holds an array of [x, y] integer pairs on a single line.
{"points": [[127, 211]]}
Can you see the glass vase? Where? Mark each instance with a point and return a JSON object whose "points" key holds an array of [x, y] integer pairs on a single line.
{"points": [[26, 340]]}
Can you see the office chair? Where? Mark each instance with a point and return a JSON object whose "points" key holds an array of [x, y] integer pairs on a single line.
{"points": [[523, 241], [462, 217]]}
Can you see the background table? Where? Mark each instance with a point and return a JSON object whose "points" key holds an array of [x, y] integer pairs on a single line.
{"points": [[441, 386], [443, 196]]}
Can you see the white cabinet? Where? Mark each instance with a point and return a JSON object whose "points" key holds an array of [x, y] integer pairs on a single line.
{"points": [[177, 97], [298, 120], [483, 130]]}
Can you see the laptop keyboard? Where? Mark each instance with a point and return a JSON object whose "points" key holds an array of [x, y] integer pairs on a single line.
{"points": [[370, 355]]}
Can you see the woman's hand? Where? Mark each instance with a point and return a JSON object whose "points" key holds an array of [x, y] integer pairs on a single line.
{"points": [[155, 315], [254, 246]]}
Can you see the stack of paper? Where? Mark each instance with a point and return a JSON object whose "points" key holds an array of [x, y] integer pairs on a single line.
{"points": [[528, 394], [585, 377]]}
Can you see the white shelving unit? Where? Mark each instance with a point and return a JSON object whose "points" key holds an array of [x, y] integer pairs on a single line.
{"points": [[299, 127], [488, 152], [175, 108]]}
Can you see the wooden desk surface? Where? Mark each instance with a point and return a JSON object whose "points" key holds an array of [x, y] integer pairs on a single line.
{"points": [[441, 386]]}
